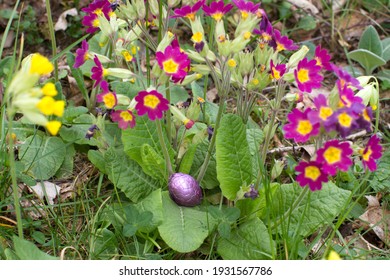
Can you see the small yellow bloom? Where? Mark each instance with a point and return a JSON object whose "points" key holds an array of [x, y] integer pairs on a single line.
{"points": [[40, 65], [58, 108], [46, 105], [49, 90], [53, 127], [232, 63], [333, 256]]}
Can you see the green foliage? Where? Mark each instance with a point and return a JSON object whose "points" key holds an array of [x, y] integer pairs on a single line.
{"points": [[26, 250], [370, 53], [381, 177], [234, 164]]}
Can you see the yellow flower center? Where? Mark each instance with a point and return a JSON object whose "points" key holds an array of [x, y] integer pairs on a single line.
{"points": [[275, 74], [266, 37], [126, 116], [304, 127], [170, 66], [318, 61], [217, 16], [366, 155], [366, 116], [247, 35], [325, 113], [49, 89], [303, 75], [151, 101], [127, 56], [98, 11], [232, 63], [345, 120], [191, 16], [53, 127], [95, 23], [255, 82], [312, 172], [40, 65], [332, 155], [280, 47], [244, 15], [105, 72], [197, 37], [109, 100]]}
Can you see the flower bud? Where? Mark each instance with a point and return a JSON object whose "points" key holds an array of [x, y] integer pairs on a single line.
{"points": [[297, 56]]}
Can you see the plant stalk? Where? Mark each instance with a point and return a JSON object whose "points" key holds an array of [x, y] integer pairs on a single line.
{"points": [[52, 38], [164, 148]]}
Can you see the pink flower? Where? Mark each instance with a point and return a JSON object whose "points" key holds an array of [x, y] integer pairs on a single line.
{"points": [[96, 8], [344, 78], [265, 30], [343, 121], [323, 112], [348, 98], [124, 118], [277, 71], [371, 153], [365, 119], [307, 75], [81, 54], [311, 173], [323, 58], [188, 11], [335, 155], [281, 43], [174, 62], [98, 72], [109, 98], [151, 103], [300, 128], [246, 7], [217, 9]]}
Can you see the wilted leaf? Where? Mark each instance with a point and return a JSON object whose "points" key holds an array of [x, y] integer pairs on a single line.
{"points": [[62, 23], [46, 189]]}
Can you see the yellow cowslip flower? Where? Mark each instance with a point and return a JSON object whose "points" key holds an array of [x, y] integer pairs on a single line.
{"points": [[333, 256], [40, 65], [49, 89], [53, 127], [46, 105], [58, 109]]}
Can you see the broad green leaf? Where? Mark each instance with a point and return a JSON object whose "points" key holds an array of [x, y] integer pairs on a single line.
{"points": [[370, 41], [250, 241], [381, 177], [97, 159], [234, 163], [255, 137], [42, 156], [184, 229], [307, 23], [135, 220], [210, 109], [153, 164], [78, 129], [316, 209], [384, 75], [153, 204], [127, 89], [210, 178], [144, 132], [188, 159], [178, 94], [367, 59], [386, 53], [26, 250], [66, 168], [128, 176], [105, 244], [71, 113]]}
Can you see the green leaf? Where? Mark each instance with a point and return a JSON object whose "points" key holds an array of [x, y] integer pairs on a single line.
{"points": [[144, 132], [234, 163], [66, 168], [188, 159], [42, 156], [153, 164], [370, 41], [307, 23], [184, 229], [255, 137], [178, 94], [97, 159], [26, 250], [105, 244], [384, 75], [153, 204], [386, 49], [72, 112], [250, 241], [316, 209], [127, 89], [77, 131], [128, 176], [367, 59], [135, 220], [381, 177]]}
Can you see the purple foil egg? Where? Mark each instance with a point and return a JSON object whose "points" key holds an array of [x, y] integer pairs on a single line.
{"points": [[184, 190]]}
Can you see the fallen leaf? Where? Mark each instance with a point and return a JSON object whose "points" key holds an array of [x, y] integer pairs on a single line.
{"points": [[62, 23], [305, 5], [51, 190]]}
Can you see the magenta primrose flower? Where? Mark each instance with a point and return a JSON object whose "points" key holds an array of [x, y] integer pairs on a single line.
{"points": [[348, 98], [107, 97], [311, 173], [151, 103], [371, 153], [96, 8], [335, 155], [246, 7], [323, 58], [188, 11], [281, 43], [277, 71], [81, 54], [300, 127], [124, 118], [265, 28], [98, 72], [344, 78], [344, 121], [307, 75], [365, 119], [217, 9], [174, 62], [323, 112]]}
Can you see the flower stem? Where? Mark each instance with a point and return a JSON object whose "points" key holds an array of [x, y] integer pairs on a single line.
{"points": [[52, 38], [168, 113], [164, 148]]}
